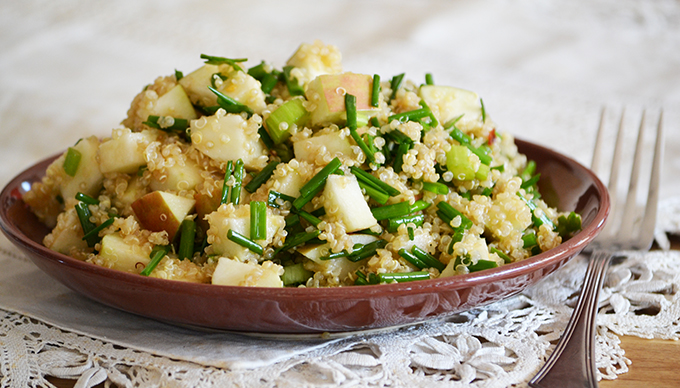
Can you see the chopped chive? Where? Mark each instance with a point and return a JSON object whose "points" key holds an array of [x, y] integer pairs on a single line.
{"points": [[225, 188], [540, 220], [87, 199], [429, 260], [212, 60], [436, 187], [72, 161], [366, 251], [316, 184], [376, 193], [411, 258], [261, 177], [411, 233], [93, 234], [295, 274], [569, 224], [419, 205], [391, 211], [401, 277], [528, 171], [372, 180], [238, 182], [507, 259], [275, 198], [167, 123], [84, 215], [452, 123], [395, 84], [157, 254], [214, 77], [178, 75], [429, 80], [258, 71], [399, 159], [393, 223], [294, 88], [530, 182], [375, 91], [370, 155], [374, 122], [481, 152], [187, 235], [244, 241], [309, 217], [482, 265], [433, 119], [299, 240], [412, 115], [266, 139], [258, 220], [351, 111], [481, 102], [229, 104], [447, 213], [269, 82]]}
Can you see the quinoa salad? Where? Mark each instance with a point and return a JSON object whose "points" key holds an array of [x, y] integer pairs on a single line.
{"points": [[303, 175]]}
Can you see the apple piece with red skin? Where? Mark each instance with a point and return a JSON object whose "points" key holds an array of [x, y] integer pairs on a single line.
{"points": [[161, 211], [327, 93]]}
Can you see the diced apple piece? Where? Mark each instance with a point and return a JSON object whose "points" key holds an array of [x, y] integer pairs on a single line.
{"points": [[124, 152], [179, 177], [229, 137], [160, 211], [343, 199], [206, 204], [67, 234], [448, 103], [230, 272], [316, 59], [245, 89], [175, 103], [286, 119], [333, 144], [123, 256], [287, 179], [196, 84], [87, 179], [238, 219], [327, 93]]}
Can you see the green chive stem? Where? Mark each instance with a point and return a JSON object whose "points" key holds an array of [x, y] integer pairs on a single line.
{"points": [[258, 220], [72, 161], [245, 242], [157, 254], [187, 235]]}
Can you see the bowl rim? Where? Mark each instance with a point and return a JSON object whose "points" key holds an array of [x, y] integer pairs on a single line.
{"points": [[574, 245]]}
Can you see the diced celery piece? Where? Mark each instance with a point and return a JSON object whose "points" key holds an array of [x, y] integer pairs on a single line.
{"points": [[458, 162], [291, 113]]}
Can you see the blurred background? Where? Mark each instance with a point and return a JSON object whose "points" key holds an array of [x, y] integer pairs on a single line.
{"points": [[545, 68]]}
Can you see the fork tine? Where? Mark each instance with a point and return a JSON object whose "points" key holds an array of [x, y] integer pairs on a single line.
{"points": [[610, 227], [599, 140], [649, 220], [630, 209]]}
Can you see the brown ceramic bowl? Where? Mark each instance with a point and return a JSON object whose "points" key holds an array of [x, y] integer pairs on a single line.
{"points": [[564, 184]]}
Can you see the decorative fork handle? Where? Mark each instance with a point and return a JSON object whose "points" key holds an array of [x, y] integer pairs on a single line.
{"points": [[572, 363]]}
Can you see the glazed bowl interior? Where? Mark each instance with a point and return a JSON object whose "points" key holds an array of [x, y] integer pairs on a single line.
{"points": [[564, 184]]}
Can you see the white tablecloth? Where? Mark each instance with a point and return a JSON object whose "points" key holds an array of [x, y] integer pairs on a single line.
{"points": [[544, 68]]}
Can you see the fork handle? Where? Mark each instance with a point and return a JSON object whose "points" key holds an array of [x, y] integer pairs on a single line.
{"points": [[572, 363]]}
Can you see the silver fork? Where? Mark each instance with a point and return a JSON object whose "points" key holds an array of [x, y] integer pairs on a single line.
{"points": [[572, 363]]}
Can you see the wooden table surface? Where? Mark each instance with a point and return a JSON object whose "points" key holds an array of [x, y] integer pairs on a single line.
{"points": [[655, 363]]}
